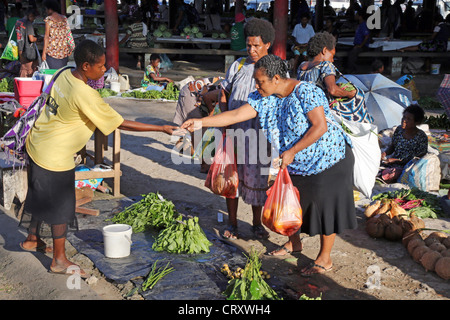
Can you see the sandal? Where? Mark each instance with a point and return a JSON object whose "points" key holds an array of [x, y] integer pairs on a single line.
{"points": [[283, 247], [42, 248], [259, 232], [232, 233], [320, 269], [70, 271]]}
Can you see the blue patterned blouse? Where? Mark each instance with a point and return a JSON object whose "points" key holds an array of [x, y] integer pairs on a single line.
{"points": [[284, 122]]}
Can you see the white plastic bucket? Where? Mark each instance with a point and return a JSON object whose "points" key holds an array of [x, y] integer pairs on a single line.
{"points": [[115, 86], [435, 68], [117, 240]]}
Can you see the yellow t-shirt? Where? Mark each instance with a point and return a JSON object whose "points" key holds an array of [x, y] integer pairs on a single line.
{"points": [[55, 138]]}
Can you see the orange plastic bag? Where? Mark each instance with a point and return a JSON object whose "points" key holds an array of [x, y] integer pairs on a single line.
{"points": [[282, 212], [222, 178]]}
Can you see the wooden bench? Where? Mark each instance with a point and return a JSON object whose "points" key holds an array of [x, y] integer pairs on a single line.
{"points": [[396, 56], [230, 55]]}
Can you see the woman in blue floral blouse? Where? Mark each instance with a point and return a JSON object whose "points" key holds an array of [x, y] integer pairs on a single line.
{"points": [[293, 115]]}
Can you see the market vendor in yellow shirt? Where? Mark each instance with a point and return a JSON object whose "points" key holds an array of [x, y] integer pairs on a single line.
{"points": [[65, 125]]}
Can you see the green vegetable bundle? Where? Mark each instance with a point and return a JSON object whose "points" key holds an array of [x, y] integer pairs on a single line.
{"points": [[251, 285], [7, 85], [182, 237], [105, 92], [169, 93], [152, 211]]}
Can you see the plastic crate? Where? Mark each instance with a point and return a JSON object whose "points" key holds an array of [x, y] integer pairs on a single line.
{"points": [[26, 90]]}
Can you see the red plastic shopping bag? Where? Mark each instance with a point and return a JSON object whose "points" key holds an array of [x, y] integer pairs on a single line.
{"points": [[222, 178], [282, 212]]}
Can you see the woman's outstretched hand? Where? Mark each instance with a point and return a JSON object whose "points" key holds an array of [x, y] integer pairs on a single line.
{"points": [[169, 129], [191, 125]]}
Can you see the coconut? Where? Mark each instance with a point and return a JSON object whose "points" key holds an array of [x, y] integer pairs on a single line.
{"points": [[431, 240], [393, 232], [441, 236], [375, 228], [445, 253], [407, 226], [410, 235], [385, 219], [442, 268], [413, 244], [437, 246], [418, 223], [370, 210], [446, 242], [429, 260], [419, 251]]}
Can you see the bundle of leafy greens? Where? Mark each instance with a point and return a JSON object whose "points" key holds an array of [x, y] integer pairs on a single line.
{"points": [[251, 285], [7, 85], [105, 92], [182, 237], [152, 211], [171, 92]]}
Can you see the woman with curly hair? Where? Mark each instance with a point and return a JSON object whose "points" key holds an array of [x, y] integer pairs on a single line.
{"points": [[236, 87], [295, 117], [321, 71]]}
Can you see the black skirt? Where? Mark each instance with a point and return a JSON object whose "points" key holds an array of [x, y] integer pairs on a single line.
{"points": [[327, 199], [50, 198]]}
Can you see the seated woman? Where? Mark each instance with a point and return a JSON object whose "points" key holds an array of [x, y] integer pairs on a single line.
{"points": [[321, 71], [407, 143], [152, 74]]}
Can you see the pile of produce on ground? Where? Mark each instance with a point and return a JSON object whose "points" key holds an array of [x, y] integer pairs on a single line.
{"points": [[176, 234], [387, 219], [437, 122], [250, 284], [152, 211], [171, 92], [432, 251], [422, 203], [182, 237]]}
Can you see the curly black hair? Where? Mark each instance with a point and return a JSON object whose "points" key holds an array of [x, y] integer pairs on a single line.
{"points": [[87, 51], [273, 65], [319, 41], [416, 111], [53, 5], [260, 28]]}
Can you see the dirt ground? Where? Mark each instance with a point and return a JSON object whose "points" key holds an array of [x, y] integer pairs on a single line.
{"points": [[364, 268]]}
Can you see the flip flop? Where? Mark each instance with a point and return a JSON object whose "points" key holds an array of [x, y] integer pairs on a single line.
{"points": [[232, 231], [315, 265], [43, 248], [66, 272], [282, 248]]}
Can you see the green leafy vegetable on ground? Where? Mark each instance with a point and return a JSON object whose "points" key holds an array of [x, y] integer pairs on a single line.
{"points": [[152, 211], [155, 274], [251, 285], [182, 237]]}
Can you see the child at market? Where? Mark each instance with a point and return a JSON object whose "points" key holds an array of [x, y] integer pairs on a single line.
{"points": [[152, 74]]}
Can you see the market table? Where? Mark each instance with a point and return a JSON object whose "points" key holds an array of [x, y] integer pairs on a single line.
{"points": [[385, 44], [101, 145]]}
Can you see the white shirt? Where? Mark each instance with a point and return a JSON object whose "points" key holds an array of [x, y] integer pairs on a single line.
{"points": [[302, 35]]}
